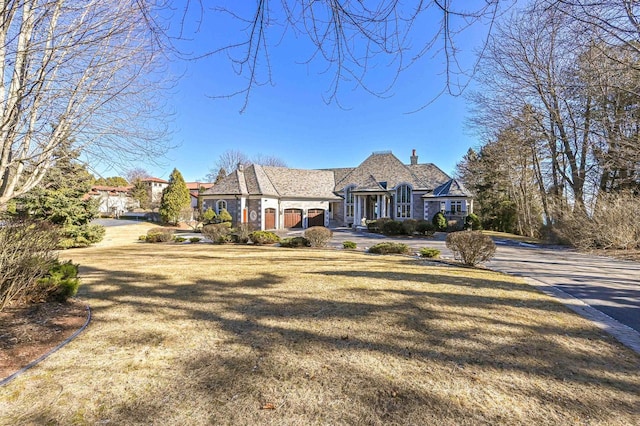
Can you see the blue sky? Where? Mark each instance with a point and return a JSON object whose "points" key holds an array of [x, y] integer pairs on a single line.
{"points": [[290, 119]]}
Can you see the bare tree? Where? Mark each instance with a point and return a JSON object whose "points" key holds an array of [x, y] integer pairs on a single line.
{"points": [[348, 39], [75, 70], [230, 159], [137, 173]]}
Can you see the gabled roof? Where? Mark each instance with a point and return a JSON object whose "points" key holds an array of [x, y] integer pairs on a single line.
{"points": [[381, 167], [451, 188], [276, 182], [301, 183], [154, 179]]}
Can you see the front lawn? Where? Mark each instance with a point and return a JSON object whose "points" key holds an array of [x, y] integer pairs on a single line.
{"points": [[204, 334]]}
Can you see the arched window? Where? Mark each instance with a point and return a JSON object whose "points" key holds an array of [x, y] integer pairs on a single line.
{"points": [[348, 201], [403, 202], [221, 205]]}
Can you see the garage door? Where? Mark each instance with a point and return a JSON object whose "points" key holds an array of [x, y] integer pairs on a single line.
{"points": [[315, 217], [269, 218], [293, 218]]}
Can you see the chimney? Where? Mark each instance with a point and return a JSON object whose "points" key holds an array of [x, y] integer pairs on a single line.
{"points": [[240, 167], [414, 158]]}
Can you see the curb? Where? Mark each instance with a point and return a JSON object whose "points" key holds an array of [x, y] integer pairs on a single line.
{"points": [[623, 333], [8, 379]]}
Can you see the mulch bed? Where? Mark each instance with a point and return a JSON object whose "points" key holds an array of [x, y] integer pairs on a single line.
{"points": [[28, 332]]}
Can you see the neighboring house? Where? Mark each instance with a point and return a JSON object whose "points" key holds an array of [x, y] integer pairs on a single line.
{"points": [[155, 186], [113, 200], [194, 191], [382, 186]]}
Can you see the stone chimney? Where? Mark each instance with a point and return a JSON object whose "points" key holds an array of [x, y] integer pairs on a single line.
{"points": [[414, 158]]}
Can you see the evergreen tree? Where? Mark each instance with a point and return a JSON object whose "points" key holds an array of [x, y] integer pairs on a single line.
{"points": [[140, 193], [175, 198], [61, 199]]}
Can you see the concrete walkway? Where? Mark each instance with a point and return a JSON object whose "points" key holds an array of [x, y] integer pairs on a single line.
{"points": [[604, 290]]}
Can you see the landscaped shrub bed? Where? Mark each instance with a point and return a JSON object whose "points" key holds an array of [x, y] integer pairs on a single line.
{"points": [[396, 227], [389, 248]]}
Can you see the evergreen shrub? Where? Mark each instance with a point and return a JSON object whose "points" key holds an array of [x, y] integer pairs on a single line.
{"points": [[295, 242], [264, 237], [389, 248]]}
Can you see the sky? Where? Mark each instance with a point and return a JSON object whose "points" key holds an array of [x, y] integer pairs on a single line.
{"points": [[290, 119]]}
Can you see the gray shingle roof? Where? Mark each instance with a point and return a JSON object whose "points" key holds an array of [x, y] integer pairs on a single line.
{"points": [[301, 183], [385, 167], [379, 172], [451, 188], [277, 182]]}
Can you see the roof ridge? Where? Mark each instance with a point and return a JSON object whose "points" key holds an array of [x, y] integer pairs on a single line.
{"points": [[270, 180]]}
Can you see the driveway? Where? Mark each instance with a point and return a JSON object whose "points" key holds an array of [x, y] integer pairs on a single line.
{"points": [[606, 291]]}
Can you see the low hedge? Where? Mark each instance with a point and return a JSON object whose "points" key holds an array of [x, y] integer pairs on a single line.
{"points": [[389, 248], [264, 237], [295, 242]]}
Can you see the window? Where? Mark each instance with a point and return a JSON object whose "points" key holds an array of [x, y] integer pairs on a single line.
{"points": [[403, 202], [456, 207], [220, 205], [348, 201]]}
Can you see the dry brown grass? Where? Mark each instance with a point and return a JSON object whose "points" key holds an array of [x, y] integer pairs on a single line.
{"points": [[203, 334]]}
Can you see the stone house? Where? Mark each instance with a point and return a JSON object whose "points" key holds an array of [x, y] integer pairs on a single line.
{"points": [[381, 186]]}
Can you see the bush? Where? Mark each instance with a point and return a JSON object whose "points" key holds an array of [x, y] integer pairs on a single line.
{"points": [[295, 242], [424, 227], [611, 225], [429, 252], [378, 224], [472, 222], [440, 222], [80, 235], [142, 238], [349, 245], [318, 236], [27, 252], [389, 248], [264, 237], [194, 239], [60, 283], [224, 216], [471, 247], [454, 226], [372, 226], [218, 233], [179, 239], [208, 216], [241, 233], [409, 226], [159, 235], [391, 227]]}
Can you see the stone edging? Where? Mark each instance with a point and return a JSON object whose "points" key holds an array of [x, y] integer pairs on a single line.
{"points": [[8, 379]]}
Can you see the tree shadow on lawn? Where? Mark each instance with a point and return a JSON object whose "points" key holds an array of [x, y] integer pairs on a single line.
{"points": [[262, 318]]}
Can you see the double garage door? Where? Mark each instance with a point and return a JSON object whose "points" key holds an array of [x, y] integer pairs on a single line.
{"points": [[293, 218]]}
